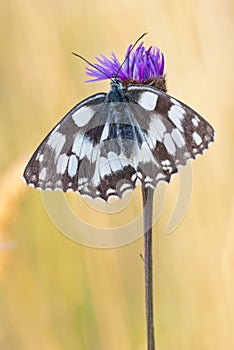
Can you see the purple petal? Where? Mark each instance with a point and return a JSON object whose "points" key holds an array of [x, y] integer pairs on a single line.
{"points": [[140, 64]]}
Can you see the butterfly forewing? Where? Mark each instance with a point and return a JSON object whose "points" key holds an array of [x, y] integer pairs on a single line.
{"points": [[53, 164], [109, 142]]}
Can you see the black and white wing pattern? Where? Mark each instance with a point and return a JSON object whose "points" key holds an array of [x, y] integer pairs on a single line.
{"points": [[109, 142], [175, 133]]}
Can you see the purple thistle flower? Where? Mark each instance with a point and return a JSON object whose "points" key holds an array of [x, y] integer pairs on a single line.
{"points": [[140, 66]]}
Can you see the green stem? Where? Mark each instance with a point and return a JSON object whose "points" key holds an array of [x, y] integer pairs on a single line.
{"points": [[147, 195]]}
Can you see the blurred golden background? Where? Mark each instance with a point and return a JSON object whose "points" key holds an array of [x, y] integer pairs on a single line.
{"points": [[56, 294]]}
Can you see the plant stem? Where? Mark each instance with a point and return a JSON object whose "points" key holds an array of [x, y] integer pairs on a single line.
{"points": [[147, 195]]}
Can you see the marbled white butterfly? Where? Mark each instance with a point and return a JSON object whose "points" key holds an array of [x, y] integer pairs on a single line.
{"points": [[111, 141]]}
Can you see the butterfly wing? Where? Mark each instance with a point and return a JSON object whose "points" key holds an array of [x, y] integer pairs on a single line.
{"points": [[103, 147], [114, 170], [173, 133], [54, 165]]}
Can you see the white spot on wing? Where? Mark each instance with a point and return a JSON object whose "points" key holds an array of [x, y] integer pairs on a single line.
{"points": [[93, 154], [157, 128], [56, 141], [160, 176], [124, 187], [62, 163], [165, 162], [148, 179], [151, 139], [139, 175], [58, 184], [72, 166], [110, 192], [175, 102], [82, 146], [195, 121], [169, 144], [82, 180], [148, 100], [69, 189], [96, 178], [105, 132], [82, 116], [149, 185], [42, 174], [76, 147], [197, 138], [176, 114], [177, 137], [146, 154], [41, 157]]}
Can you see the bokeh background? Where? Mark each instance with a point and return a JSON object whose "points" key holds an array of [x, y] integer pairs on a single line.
{"points": [[56, 294]]}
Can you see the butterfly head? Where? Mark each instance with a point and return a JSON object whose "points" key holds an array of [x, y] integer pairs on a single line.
{"points": [[116, 83]]}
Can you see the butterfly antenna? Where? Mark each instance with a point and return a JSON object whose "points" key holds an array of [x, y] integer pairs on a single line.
{"points": [[92, 65], [129, 54]]}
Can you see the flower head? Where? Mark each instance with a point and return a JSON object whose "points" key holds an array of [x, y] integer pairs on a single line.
{"points": [[140, 66]]}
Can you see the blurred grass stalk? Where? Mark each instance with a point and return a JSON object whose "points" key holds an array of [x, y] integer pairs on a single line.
{"points": [[12, 190]]}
